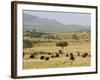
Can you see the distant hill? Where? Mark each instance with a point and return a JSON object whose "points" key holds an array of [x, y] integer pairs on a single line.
{"points": [[47, 25]]}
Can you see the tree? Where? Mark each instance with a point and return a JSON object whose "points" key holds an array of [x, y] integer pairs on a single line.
{"points": [[36, 34], [49, 36], [62, 44], [33, 31], [75, 37]]}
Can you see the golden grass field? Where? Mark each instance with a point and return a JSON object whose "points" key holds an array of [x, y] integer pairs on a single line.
{"points": [[81, 46]]}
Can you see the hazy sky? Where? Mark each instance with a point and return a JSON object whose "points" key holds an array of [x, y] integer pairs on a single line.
{"points": [[63, 17]]}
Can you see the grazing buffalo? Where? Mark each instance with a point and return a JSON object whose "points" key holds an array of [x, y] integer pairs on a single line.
{"points": [[78, 53], [47, 58], [67, 55], [72, 56], [85, 55], [32, 56], [42, 57], [60, 51]]}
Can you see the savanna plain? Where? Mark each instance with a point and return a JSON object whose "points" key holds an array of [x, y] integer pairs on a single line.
{"points": [[56, 49]]}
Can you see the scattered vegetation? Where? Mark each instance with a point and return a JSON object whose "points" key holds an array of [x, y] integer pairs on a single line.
{"points": [[75, 37], [62, 44], [45, 50], [27, 43]]}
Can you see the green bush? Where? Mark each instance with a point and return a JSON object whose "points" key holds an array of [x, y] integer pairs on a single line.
{"points": [[27, 44]]}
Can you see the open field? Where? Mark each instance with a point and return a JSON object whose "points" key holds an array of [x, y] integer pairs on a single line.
{"points": [[45, 53], [57, 62]]}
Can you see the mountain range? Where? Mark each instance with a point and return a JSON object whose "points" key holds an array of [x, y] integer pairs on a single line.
{"points": [[31, 22]]}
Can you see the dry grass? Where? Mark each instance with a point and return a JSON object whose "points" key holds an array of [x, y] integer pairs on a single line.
{"points": [[57, 62], [82, 46]]}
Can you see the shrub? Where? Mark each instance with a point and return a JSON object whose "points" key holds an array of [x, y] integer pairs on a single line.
{"points": [[49, 53], [75, 37], [57, 55], [52, 56], [28, 43], [89, 55], [78, 53], [60, 51], [41, 52]]}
